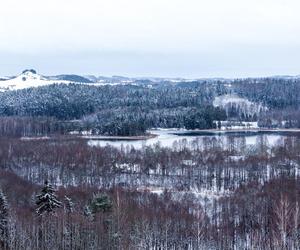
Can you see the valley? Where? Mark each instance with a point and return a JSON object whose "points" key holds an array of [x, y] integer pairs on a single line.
{"points": [[149, 161]]}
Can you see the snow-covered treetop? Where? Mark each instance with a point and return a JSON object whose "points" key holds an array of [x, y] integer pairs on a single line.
{"points": [[26, 71]]}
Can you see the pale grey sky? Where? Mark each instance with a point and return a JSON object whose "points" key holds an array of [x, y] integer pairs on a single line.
{"points": [[184, 38]]}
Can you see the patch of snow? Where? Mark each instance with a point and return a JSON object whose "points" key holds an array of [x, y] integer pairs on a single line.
{"points": [[229, 101], [84, 132], [236, 158], [104, 83], [235, 125], [26, 138]]}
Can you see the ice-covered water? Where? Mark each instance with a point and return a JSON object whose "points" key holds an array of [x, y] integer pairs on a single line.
{"points": [[178, 138]]}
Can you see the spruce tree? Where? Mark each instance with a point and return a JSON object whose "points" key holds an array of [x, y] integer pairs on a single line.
{"points": [[101, 203], [47, 201]]}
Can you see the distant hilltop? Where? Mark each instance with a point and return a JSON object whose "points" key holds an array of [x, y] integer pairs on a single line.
{"points": [[30, 78]]}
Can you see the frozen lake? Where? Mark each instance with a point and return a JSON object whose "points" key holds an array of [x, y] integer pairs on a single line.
{"points": [[199, 139]]}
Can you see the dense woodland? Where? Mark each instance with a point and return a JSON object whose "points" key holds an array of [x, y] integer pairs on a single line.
{"points": [[115, 110], [211, 199], [282, 96], [276, 93]]}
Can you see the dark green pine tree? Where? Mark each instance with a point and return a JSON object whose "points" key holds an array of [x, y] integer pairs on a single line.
{"points": [[100, 203], [47, 201], [4, 214]]}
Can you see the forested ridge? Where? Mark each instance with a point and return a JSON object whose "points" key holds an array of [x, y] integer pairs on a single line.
{"points": [[116, 110], [273, 92], [132, 109]]}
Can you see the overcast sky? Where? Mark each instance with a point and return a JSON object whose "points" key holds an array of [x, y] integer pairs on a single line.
{"points": [[172, 38]]}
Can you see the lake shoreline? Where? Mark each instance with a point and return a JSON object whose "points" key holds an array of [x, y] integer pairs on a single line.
{"points": [[152, 134], [118, 138], [183, 132], [246, 130]]}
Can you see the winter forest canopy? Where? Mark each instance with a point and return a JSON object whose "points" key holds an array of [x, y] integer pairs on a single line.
{"points": [[133, 108]]}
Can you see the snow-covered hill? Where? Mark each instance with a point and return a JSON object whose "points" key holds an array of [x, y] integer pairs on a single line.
{"points": [[27, 79], [30, 78]]}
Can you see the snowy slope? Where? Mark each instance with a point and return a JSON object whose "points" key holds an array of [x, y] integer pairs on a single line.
{"points": [[244, 105], [28, 79]]}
